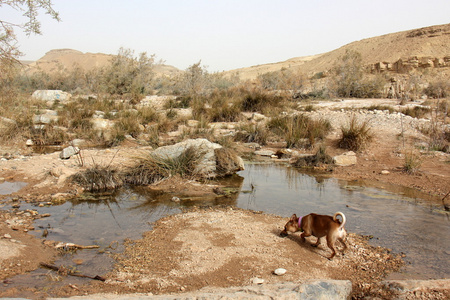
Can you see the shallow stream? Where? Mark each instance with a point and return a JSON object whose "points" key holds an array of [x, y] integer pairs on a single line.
{"points": [[399, 219]]}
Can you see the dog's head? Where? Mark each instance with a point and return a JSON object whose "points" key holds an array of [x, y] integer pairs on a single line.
{"points": [[291, 226]]}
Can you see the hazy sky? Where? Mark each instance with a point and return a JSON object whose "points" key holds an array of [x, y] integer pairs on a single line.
{"points": [[222, 34]]}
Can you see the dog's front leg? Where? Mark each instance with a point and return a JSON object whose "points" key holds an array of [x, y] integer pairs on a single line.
{"points": [[317, 243], [303, 235]]}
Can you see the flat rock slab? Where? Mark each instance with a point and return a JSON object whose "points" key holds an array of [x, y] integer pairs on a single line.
{"points": [[318, 289]]}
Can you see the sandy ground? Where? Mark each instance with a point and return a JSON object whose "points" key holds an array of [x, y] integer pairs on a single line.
{"points": [[220, 247]]}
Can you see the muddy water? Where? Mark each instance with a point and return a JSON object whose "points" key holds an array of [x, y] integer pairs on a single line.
{"points": [[399, 220]]}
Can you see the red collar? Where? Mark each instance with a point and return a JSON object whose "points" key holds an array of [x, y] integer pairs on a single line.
{"points": [[300, 223]]}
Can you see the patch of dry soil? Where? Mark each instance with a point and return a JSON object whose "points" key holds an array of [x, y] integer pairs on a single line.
{"points": [[230, 247], [19, 251]]}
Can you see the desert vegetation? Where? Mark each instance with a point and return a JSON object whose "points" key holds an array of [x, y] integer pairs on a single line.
{"points": [[129, 101]]}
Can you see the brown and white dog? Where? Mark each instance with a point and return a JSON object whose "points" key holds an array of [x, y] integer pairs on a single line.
{"points": [[318, 226]]}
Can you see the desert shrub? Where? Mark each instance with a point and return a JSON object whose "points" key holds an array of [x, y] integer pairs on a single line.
{"points": [[356, 135], [309, 108], [98, 178], [439, 136], [151, 168], [147, 115], [128, 74], [412, 162], [48, 135], [416, 111], [223, 109], [298, 128], [252, 133], [322, 93], [316, 160], [440, 88], [179, 102], [382, 108], [349, 78], [126, 124], [226, 141], [258, 101], [284, 79]]}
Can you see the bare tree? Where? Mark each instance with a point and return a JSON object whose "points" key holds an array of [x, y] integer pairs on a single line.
{"points": [[9, 51], [30, 8]]}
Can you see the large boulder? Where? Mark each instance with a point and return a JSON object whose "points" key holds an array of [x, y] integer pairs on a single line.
{"points": [[51, 95], [215, 161]]}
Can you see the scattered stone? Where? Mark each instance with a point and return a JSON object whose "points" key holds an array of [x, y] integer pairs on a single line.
{"points": [[265, 152], [419, 289], [7, 236], [175, 199], [29, 142], [385, 172], [280, 271], [257, 280], [68, 152], [346, 159]]}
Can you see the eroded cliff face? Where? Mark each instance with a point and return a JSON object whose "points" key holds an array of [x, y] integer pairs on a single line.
{"points": [[427, 38], [407, 64]]}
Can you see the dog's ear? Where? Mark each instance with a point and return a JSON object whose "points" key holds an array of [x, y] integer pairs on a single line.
{"points": [[294, 218]]}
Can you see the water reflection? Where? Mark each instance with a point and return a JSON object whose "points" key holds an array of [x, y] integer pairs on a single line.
{"points": [[7, 187], [396, 221]]}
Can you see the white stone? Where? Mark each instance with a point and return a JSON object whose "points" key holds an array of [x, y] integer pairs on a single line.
{"points": [[51, 95], [257, 280], [280, 271]]}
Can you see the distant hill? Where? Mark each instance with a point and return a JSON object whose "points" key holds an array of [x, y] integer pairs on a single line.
{"points": [[67, 59], [401, 51], [415, 47]]}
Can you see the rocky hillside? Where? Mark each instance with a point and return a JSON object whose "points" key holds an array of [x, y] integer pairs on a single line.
{"points": [[67, 59], [427, 47]]}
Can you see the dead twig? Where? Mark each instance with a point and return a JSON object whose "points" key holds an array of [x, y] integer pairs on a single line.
{"points": [[75, 246], [64, 270]]}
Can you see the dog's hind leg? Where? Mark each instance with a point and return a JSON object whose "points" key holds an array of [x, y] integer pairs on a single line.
{"points": [[330, 245], [342, 240]]}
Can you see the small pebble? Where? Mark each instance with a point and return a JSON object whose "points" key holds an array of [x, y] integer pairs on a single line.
{"points": [[257, 280], [279, 271]]}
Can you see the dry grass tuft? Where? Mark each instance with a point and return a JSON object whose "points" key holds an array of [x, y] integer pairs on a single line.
{"points": [[356, 135], [98, 179]]}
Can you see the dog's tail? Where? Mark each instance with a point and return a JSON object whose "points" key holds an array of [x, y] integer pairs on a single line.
{"points": [[343, 219]]}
